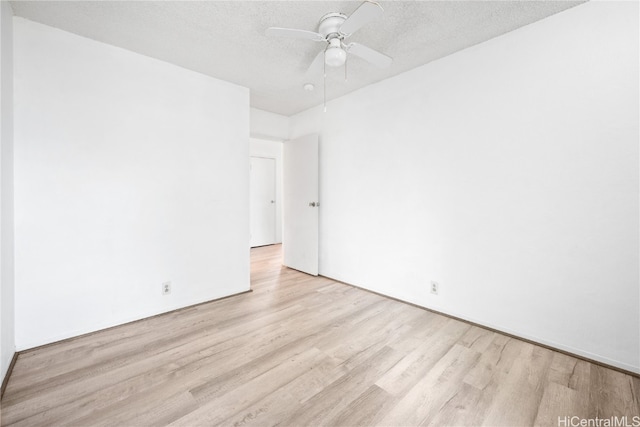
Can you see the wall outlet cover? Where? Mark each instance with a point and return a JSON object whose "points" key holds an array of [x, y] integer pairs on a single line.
{"points": [[434, 287], [166, 288]]}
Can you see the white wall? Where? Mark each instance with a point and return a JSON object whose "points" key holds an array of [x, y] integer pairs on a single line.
{"points": [[7, 340], [268, 125], [129, 172], [271, 150], [507, 172]]}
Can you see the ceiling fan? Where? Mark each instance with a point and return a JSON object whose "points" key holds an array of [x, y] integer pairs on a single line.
{"points": [[333, 29]]}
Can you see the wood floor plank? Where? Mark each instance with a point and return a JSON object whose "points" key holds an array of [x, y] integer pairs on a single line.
{"points": [[500, 352], [415, 365], [430, 393], [521, 389], [367, 409], [215, 411], [303, 350], [276, 406], [558, 402], [610, 391], [334, 398], [465, 408]]}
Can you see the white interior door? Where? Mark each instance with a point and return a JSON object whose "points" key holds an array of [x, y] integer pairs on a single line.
{"points": [[300, 181], [262, 203]]}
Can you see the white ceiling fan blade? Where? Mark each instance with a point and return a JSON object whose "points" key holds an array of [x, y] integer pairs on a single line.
{"points": [[367, 12], [317, 66], [373, 56], [294, 34]]}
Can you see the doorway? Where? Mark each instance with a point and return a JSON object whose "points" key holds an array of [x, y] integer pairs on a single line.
{"points": [[262, 204], [296, 203], [271, 150]]}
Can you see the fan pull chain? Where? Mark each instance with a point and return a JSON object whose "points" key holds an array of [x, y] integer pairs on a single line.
{"points": [[324, 84], [345, 68]]}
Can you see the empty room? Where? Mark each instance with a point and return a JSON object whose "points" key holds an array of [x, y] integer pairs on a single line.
{"points": [[305, 213]]}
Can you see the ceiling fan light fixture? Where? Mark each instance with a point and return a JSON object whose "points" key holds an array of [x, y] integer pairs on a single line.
{"points": [[335, 55]]}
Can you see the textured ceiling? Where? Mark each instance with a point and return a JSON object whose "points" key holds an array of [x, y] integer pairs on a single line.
{"points": [[225, 39]]}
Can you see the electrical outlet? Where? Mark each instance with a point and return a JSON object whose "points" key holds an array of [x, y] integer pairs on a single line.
{"points": [[434, 287], [166, 288]]}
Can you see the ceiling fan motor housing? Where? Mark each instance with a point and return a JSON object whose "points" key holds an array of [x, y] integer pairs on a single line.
{"points": [[330, 25]]}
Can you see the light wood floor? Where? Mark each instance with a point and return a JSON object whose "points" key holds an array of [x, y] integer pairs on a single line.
{"points": [[301, 350]]}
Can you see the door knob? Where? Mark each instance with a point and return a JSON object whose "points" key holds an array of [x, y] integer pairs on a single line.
{"points": [[314, 204], [273, 201]]}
